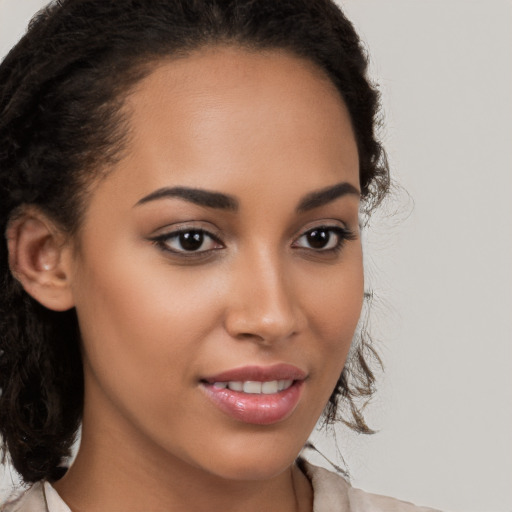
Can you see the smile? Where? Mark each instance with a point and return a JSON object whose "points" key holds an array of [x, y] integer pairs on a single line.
{"points": [[254, 387], [256, 395]]}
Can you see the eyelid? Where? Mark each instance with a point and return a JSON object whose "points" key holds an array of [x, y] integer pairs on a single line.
{"points": [[343, 233], [326, 223], [171, 232], [188, 225], [164, 234]]}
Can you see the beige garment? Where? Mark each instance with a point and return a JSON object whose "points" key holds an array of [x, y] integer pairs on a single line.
{"points": [[331, 493], [40, 497]]}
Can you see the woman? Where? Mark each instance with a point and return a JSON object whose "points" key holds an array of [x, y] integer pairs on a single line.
{"points": [[182, 184]]}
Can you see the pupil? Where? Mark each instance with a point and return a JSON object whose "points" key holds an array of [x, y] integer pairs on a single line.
{"points": [[318, 239], [191, 240]]}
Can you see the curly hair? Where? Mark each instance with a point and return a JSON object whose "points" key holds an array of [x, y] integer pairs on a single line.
{"points": [[62, 89]]}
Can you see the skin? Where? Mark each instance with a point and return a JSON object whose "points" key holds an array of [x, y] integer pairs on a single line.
{"points": [[268, 129]]}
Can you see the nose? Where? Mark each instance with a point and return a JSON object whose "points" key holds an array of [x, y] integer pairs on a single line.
{"points": [[263, 306]]}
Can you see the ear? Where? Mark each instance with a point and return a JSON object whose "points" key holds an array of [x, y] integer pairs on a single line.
{"points": [[39, 258]]}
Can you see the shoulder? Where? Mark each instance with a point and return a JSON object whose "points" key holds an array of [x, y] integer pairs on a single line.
{"points": [[40, 497], [332, 493]]}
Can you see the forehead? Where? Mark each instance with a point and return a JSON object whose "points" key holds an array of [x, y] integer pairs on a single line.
{"points": [[224, 117]]}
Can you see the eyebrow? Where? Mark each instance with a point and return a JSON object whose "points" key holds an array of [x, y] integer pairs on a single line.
{"points": [[326, 195], [221, 201], [194, 195]]}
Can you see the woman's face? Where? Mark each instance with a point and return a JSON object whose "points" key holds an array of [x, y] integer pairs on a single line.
{"points": [[218, 280]]}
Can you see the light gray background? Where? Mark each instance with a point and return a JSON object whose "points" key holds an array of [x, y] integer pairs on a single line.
{"points": [[441, 266]]}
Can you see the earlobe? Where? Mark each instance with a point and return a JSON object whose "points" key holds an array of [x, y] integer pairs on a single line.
{"points": [[38, 259]]}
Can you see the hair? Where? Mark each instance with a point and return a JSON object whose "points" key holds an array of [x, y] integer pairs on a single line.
{"points": [[62, 89]]}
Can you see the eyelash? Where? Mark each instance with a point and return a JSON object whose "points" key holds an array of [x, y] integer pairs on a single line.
{"points": [[162, 241], [342, 234]]}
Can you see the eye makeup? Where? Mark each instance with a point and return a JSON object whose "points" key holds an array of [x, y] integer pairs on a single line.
{"points": [[195, 242]]}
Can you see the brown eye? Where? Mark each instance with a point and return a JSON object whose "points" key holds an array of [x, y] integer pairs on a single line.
{"points": [[191, 240], [319, 238], [324, 238], [188, 241]]}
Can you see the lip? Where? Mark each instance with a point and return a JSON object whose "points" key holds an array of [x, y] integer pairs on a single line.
{"points": [[257, 409], [259, 374]]}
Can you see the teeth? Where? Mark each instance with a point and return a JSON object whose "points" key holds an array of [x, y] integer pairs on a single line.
{"points": [[252, 387], [284, 384], [255, 387], [267, 388], [236, 385]]}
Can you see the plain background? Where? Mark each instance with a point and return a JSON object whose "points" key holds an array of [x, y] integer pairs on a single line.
{"points": [[439, 258]]}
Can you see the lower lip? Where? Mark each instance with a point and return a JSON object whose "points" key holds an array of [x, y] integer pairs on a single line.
{"points": [[258, 409]]}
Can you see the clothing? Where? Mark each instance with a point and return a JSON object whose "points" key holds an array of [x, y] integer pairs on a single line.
{"points": [[331, 493], [40, 497]]}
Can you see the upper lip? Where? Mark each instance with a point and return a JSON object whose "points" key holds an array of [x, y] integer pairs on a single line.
{"points": [[259, 374]]}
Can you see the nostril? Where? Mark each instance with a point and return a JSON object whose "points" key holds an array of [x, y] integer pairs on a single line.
{"points": [[248, 336]]}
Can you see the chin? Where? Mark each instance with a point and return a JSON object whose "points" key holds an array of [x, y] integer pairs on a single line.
{"points": [[255, 459], [263, 468]]}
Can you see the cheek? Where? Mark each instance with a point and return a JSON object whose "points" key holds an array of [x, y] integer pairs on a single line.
{"points": [[335, 303], [142, 325], [334, 308]]}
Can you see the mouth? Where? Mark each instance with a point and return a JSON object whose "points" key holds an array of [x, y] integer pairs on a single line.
{"points": [[256, 395], [269, 387]]}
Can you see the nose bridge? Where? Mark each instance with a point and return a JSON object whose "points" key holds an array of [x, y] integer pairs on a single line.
{"points": [[263, 305]]}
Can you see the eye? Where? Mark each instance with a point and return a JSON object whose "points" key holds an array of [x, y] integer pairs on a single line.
{"points": [[324, 238], [188, 241]]}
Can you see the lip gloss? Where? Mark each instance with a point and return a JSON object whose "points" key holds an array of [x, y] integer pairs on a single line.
{"points": [[256, 408]]}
